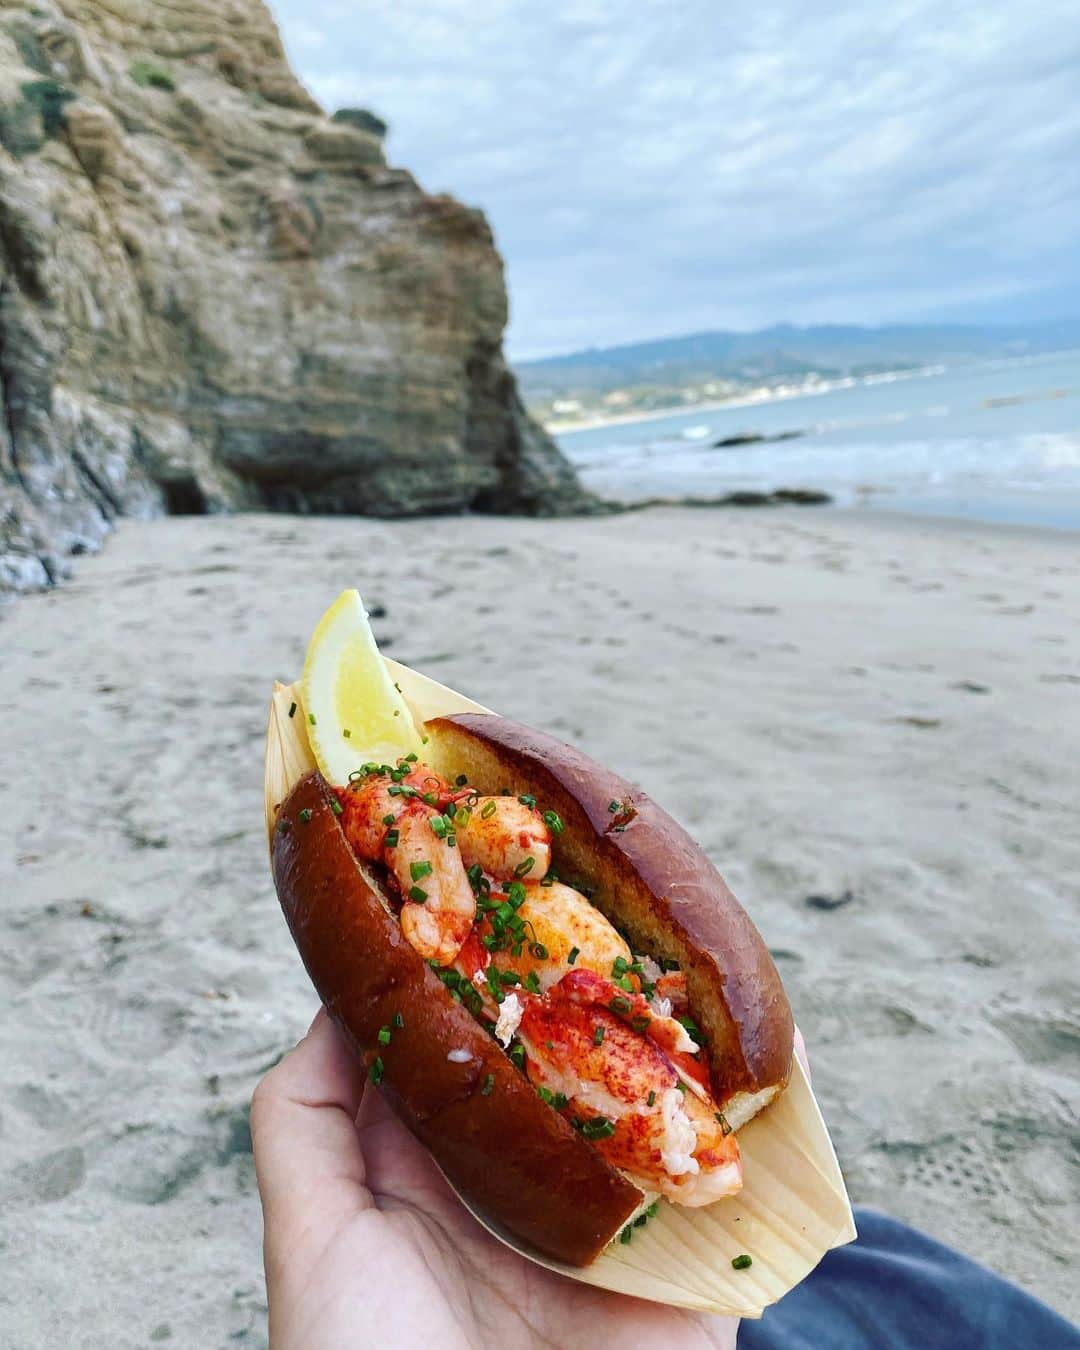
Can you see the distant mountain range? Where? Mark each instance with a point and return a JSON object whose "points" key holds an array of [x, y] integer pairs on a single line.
{"points": [[640, 372]]}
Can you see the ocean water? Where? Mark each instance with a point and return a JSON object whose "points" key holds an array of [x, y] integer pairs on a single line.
{"points": [[994, 440]]}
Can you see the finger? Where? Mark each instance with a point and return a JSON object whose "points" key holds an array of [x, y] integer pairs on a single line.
{"points": [[308, 1161]]}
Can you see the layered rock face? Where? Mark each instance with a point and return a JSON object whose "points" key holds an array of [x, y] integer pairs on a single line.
{"points": [[214, 297]]}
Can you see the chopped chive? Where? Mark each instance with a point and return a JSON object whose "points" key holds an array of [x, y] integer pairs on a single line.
{"points": [[725, 1124], [527, 799], [336, 807], [620, 966], [742, 1262], [389, 819], [418, 894], [619, 1005], [284, 826], [651, 1099], [598, 1036], [419, 869], [550, 1045], [653, 1209], [305, 814], [397, 1021], [641, 1220], [553, 821], [525, 867], [384, 1035], [538, 950], [532, 984], [375, 1073], [311, 718], [391, 839], [613, 806], [346, 733], [681, 1086], [626, 1234], [430, 797], [487, 1086], [573, 955], [460, 780], [489, 809], [640, 1024], [292, 709], [517, 1055], [598, 1128]]}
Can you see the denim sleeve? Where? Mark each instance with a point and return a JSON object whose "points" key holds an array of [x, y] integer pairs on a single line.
{"points": [[897, 1289]]}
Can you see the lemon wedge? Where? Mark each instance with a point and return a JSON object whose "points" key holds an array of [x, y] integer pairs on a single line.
{"points": [[355, 711]]}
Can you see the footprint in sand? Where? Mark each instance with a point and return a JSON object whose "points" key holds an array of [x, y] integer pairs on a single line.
{"points": [[46, 1179], [1042, 1040], [151, 1164], [136, 1027]]}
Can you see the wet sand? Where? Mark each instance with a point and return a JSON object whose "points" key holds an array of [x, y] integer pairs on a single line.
{"points": [[871, 723]]}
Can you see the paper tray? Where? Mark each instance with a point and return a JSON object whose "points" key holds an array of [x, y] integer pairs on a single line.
{"points": [[793, 1206]]}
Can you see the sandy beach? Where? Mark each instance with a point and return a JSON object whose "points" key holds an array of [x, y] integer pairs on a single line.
{"points": [[871, 723]]}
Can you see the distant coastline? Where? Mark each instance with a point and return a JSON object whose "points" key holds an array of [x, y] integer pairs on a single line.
{"points": [[748, 398], [991, 440], [811, 386], [699, 372]]}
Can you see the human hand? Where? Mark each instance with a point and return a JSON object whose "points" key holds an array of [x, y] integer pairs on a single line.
{"points": [[364, 1239]]}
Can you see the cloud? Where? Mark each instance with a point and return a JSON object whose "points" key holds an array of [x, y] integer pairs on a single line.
{"points": [[663, 168]]}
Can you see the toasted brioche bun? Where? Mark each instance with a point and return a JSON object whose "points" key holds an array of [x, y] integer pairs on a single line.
{"points": [[645, 873], [515, 1158]]}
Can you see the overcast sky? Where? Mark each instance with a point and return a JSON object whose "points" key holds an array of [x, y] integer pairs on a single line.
{"points": [[664, 166]]}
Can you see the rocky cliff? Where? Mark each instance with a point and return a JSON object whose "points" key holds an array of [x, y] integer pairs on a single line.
{"points": [[213, 296]]}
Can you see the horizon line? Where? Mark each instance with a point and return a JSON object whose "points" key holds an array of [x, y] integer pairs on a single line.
{"points": [[989, 326]]}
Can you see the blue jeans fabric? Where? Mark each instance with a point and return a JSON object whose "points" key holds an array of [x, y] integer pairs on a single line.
{"points": [[897, 1289]]}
